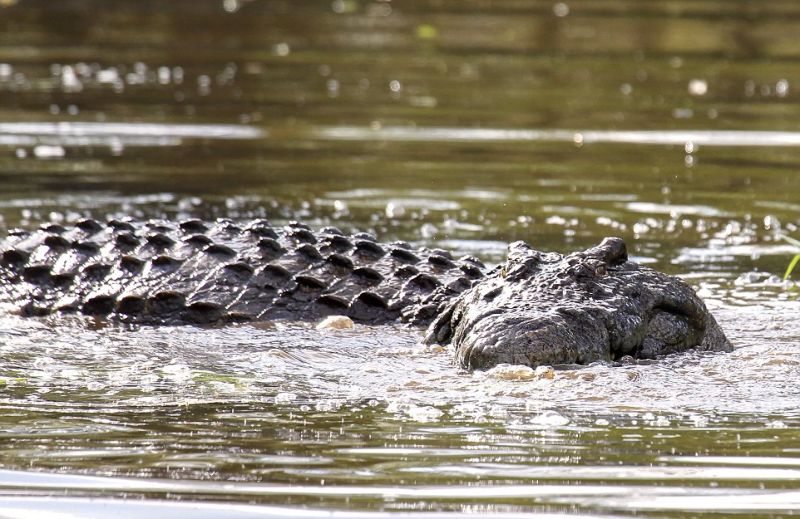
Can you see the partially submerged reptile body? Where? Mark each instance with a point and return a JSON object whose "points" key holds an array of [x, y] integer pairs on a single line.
{"points": [[536, 308]]}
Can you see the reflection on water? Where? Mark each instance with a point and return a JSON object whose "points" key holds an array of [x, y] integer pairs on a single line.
{"points": [[48, 140], [687, 138], [98, 508], [67, 130], [458, 125]]}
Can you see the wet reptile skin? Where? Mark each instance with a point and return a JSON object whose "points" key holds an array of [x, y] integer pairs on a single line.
{"points": [[536, 308]]}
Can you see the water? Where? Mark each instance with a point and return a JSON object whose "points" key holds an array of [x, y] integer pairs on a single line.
{"points": [[457, 125]]}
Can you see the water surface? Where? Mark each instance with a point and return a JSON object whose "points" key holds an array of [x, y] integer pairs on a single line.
{"points": [[460, 125]]}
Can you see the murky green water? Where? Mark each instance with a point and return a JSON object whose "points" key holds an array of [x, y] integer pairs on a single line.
{"points": [[461, 124]]}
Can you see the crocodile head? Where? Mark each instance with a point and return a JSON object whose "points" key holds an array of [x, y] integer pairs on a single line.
{"points": [[544, 308]]}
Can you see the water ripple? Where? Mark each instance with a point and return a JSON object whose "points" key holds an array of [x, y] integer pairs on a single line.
{"points": [[615, 497], [84, 129], [661, 137]]}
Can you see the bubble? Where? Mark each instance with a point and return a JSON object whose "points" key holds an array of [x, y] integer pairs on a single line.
{"points": [[771, 223], [203, 85], [394, 210], [48, 152], [177, 74], [108, 75], [69, 80], [550, 419], [749, 88], [340, 206], [164, 75], [698, 87], [561, 9], [281, 49], [781, 88], [428, 231], [332, 86]]}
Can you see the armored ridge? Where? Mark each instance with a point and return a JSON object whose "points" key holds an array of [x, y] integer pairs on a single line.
{"points": [[158, 272], [536, 308]]}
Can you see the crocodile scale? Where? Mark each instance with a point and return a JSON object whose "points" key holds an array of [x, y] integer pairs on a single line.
{"points": [[157, 272]]}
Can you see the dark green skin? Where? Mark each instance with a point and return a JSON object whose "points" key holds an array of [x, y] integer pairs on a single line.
{"points": [[538, 308]]}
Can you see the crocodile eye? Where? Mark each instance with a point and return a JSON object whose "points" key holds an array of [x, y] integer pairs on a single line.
{"points": [[614, 251]]}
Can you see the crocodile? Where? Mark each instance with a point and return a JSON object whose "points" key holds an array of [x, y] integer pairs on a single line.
{"points": [[536, 308]]}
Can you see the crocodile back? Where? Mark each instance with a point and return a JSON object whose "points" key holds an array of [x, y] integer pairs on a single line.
{"points": [[159, 272]]}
